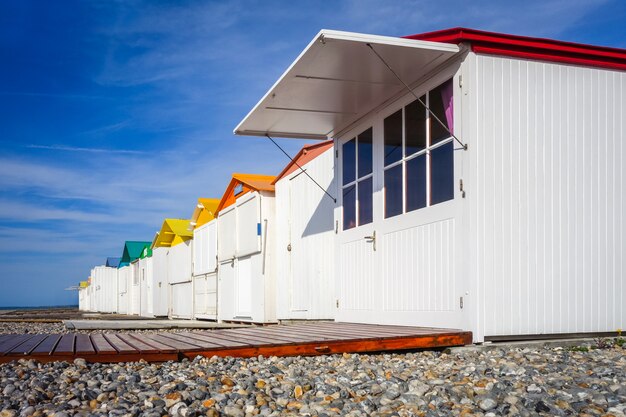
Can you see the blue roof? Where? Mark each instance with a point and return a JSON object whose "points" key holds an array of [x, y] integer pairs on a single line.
{"points": [[113, 262]]}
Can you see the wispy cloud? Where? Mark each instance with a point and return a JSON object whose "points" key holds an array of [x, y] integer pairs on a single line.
{"points": [[89, 150]]}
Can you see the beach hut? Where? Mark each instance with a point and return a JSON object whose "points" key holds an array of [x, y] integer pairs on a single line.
{"points": [[204, 269], [479, 177], [175, 239], [246, 263], [305, 235], [104, 282], [83, 299], [128, 283]]}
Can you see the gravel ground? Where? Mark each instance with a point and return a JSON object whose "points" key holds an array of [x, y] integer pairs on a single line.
{"points": [[506, 381]]}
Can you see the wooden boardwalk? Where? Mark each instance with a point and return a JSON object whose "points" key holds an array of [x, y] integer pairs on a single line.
{"points": [[281, 340]]}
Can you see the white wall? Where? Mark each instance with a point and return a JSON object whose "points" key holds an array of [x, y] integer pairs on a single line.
{"points": [[305, 284], [246, 284], [547, 218], [160, 286]]}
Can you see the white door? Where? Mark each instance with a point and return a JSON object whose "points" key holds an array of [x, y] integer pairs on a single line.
{"points": [[301, 265], [399, 238], [243, 288], [144, 287]]}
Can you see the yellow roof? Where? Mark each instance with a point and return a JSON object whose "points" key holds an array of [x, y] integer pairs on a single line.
{"points": [[172, 233], [205, 211], [83, 284]]}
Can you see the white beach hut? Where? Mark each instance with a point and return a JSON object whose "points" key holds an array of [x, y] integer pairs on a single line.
{"points": [[479, 177], [246, 262], [128, 283], [204, 226], [104, 282], [176, 238], [305, 235]]}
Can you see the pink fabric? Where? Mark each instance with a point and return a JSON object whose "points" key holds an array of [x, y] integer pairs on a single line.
{"points": [[446, 97]]}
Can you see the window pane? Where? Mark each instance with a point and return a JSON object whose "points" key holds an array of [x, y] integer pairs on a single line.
{"points": [[365, 153], [416, 183], [442, 173], [441, 105], [349, 160], [393, 138], [393, 191], [415, 125], [365, 201], [349, 207]]}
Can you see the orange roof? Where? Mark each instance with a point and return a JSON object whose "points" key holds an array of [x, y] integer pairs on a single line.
{"points": [[306, 154], [249, 182]]}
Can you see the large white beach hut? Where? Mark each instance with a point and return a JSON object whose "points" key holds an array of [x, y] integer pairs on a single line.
{"points": [[204, 227], [176, 238], [245, 250], [305, 235], [104, 283], [479, 177]]}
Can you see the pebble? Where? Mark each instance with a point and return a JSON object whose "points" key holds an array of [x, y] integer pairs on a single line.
{"points": [[503, 381]]}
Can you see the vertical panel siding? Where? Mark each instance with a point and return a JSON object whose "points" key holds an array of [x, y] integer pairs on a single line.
{"points": [[357, 289], [425, 280], [548, 197], [305, 281]]}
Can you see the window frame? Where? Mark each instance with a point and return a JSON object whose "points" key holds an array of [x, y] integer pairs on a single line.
{"points": [[426, 151], [357, 180]]}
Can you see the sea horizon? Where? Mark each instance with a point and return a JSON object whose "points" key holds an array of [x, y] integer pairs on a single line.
{"points": [[37, 307]]}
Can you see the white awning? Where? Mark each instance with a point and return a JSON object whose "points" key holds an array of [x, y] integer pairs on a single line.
{"points": [[336, 80]]}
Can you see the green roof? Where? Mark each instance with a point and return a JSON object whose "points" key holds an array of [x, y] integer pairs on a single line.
{"points": [[132, 251]]}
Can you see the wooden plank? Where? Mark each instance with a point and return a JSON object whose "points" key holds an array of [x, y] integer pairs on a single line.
{"points": [[26, 347], [222, 342], [332, 347], [287, 336], [248, 338], [12, 342], [140, 337], [120, 345], [65, 345], [101, 345], [178, 342], [173, 344], [84, 345], [137, 344], [382, 327], [47, 346], [361, 328], [328, 333], [194, 340]]}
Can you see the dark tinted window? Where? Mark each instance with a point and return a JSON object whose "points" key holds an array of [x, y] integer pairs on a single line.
{"points": [[442, 173], [365, 153], [416, 183], [349, 207], [349, 161], [393, 138], [439, 103], [393, 191], [365, 201], [415, 125]]}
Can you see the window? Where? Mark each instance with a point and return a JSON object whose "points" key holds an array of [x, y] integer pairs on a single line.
{"points": [[357, 182], [419, 153]]}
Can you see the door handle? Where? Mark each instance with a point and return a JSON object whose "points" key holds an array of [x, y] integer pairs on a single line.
{"points": [[289, 247], [372, 239]]}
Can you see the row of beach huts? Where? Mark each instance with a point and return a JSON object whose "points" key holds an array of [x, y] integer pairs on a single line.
{"points": [[467, 179], [223, 263]]}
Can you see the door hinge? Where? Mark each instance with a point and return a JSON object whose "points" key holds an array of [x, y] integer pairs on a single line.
{"points": [[336, 153], [460, 81], [337, 303], [461, 188], [461, 303]]}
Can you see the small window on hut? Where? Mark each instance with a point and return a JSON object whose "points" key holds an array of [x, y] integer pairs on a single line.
{"points": [[419, 153], [357, 180]]}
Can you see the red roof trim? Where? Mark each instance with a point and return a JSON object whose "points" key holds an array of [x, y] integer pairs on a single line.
{"points": [[304, 156], [492, 43]]}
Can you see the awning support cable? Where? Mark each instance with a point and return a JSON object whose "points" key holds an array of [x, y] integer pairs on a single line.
{"points": [[301, 169], [464, 145]]}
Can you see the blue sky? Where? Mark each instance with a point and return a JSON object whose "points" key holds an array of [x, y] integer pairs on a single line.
{"points": [[117, 114]]}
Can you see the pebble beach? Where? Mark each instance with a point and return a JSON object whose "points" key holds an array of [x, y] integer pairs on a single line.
{"points": [[488, 382]]}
